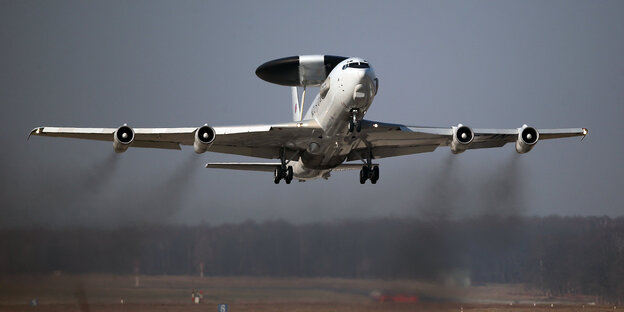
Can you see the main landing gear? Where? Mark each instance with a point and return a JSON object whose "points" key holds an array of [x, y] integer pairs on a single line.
{"points": [[354, 124], [283, 171], [369, 171]]}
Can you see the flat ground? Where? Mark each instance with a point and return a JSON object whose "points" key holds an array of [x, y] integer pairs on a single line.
{"points": [[173, 293]]}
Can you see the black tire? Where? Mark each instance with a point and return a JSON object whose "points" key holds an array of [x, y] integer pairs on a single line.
{"points": [[359, 126], [277, 175], [375, 176], [362, 176], [366, 171], [289, 173], [351, 126]]}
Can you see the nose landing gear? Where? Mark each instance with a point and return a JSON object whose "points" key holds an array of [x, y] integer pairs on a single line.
{"points": [[354, 123]]}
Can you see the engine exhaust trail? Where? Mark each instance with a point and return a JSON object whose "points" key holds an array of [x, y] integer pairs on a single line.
{"points": [[99, 174], [158, 202], [503, 192], [441, 193]]}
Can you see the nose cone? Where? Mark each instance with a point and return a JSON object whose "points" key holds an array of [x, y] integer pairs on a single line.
{"points": [[363, 89]]}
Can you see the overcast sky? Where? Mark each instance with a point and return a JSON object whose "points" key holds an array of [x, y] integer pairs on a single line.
{"points": [[486, 64]]}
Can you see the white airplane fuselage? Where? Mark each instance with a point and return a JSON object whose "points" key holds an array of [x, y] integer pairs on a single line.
{"points": [[350, 88]]}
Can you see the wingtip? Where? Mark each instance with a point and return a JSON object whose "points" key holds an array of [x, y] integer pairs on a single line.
{"points": [[35, 131], [585, 132]]}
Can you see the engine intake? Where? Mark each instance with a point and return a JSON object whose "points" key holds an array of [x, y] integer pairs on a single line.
{"points": [[462, 137], [204, 136], [527, 137], [122, 138]]}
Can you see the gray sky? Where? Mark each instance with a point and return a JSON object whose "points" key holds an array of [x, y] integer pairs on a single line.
{"points": [[168, 64]]}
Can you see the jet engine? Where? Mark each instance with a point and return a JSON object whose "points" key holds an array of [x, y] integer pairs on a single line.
{"points": [[462, 137], [204, 136], [527, 137], [122, 138]]}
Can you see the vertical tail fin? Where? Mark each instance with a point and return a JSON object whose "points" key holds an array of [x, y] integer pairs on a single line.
{"points": [[295, 105], [297, 108]]}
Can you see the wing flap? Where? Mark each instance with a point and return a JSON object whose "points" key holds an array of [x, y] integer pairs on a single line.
{"points": [[154, 144]]}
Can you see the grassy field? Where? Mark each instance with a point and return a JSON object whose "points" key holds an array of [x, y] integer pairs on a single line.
{"points": [[173, 293]]}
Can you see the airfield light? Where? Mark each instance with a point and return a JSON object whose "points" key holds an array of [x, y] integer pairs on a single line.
{"points": [[375, 125]]}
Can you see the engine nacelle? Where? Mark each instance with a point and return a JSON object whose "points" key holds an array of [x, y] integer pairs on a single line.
{"points": [[527, 137], [122, 138], [204, 136], [462, 137]]}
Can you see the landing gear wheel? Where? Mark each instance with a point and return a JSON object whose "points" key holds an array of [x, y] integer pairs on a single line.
{"points": [[358, 128], [351, 126], [289, 175], [364, 174], [375, 175], [277, 175], [366, 171]]}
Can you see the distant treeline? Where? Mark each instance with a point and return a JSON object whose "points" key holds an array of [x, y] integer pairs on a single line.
{"points": [[558, 254]]}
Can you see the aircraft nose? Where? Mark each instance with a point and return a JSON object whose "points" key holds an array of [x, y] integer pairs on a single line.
{"points": [[361, 76], [363, 87], [365, 77]]}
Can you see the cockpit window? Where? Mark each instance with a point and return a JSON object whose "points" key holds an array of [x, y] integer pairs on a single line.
{"points": [[356, 65]]}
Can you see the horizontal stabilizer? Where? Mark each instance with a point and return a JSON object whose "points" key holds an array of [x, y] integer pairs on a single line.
{"points": [[268, 167], [345, 167]]}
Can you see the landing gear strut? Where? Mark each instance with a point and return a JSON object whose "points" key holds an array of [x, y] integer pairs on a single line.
{"points": [[283, 171], [354, 124], [369, 172]]}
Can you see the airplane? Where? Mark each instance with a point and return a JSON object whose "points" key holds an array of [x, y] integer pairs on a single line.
{"points": [[329, 137]]}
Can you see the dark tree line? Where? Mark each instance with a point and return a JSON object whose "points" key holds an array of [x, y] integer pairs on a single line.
{"points": [[558, 254]]}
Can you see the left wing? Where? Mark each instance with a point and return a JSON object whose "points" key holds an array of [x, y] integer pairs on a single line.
{"points": [[264, 141], [387, 140]]}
